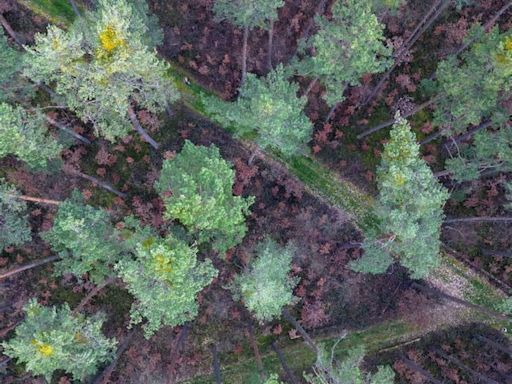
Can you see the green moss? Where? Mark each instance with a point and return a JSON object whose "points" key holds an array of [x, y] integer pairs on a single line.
{"points": [[65, 295], [57, 11]]}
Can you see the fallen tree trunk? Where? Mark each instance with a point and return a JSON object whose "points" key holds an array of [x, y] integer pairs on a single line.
{"points": [[25, 267]]}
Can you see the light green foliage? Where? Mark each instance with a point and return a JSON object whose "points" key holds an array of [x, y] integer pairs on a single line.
{"points": [[347, 371], [197, 189], [266, 287], [247, 13], [344, 49], [270, 107], [51, 339], [471, 89], [85, 239], [14, 226], [273, 379], [410, 208], [100, 67], [25, 135], [165, 279]]}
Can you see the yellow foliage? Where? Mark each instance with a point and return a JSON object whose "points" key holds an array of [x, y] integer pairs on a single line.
{"points": [[44, 349], [110, 39], [162, 264]]}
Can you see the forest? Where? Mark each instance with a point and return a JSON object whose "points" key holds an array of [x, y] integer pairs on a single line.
{"points": [[256, 191]]}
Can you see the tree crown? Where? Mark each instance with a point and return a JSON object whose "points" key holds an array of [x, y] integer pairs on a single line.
{"points": [[247, 13]]}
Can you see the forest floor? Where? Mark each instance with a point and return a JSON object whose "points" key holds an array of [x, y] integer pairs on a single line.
{"points": [[380, 311]]}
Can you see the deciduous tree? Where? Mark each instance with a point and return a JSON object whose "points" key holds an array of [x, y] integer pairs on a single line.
{"points": [[409, 207], [51, 338], [270, 107], [197, 189], [266, 286], [103, 68], [165, 278]]}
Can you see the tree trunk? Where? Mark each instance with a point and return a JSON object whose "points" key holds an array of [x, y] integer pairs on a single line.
{"points": [[319, 10], [96, 181], [93, 293], [392, 121], [176, 348], [244, 55], [464, 367], [75, 8], [105, 374], [310, 87], [35, 199], [307, 339], [28, 266], [256, 350], [422, 26], [480, 219], [435, 292], [216, 365], [10, 31], [491, 253], [291, 378], [455, 140], [140, 130], [498, 346], [417, 368], [270, 44], [67, 130]]}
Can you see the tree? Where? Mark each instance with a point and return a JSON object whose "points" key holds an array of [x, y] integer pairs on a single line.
{"points": [[409, 207], [273, 379], [103, 68], [348, 371], [14, 225], [248, 14], [164, 278], [85, 239], [51, 338], [197, 189], [11, 85], [266, 287], [345, 48], [269, 106], [23, 134], [473, 87]]}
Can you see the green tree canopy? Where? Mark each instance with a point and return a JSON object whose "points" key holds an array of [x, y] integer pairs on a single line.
{"points": [[14, 225], [346, 47], [165, 278], [270, 107], [247, 13], [12, 86], [266, 287], [470, 89], [101, 69], [347, 371], [25, 135], [85, 239], [51, 338], [197, 189], [409, 207]]}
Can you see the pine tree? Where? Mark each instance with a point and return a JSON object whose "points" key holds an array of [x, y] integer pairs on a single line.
{"points": [[344, 49], [24, 134], [266, 287], [487, 74], [51, 338], [14, 225], [85, 239], [247, 14], [165, 278], [269, 106], [471, 88], [410, 209], [12, 86], [197, 189], [102, 68], [347, 371]]}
